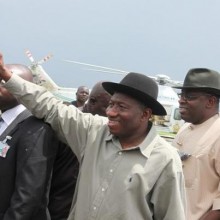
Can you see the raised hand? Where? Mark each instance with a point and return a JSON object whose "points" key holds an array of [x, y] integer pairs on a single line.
{"points": [[5, 74]]}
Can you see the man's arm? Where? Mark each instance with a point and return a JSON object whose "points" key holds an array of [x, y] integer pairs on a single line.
{"points": [[5, 74], [168, 196], [69, 123], [41, 108], [214, 214]]}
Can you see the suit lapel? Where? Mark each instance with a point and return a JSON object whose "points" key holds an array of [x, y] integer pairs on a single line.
{"points": [[21, 117]]}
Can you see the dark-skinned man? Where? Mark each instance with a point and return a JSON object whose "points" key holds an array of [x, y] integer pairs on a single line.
{"points": [[199, 142], [98, 100], [27, 152], [60, 163], [82, 95]]}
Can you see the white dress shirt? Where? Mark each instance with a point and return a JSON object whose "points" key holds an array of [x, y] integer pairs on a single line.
{"points": [[9, 116]]}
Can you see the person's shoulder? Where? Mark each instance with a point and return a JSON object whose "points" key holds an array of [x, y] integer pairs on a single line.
{"points": [[166, 146], [74, 103], [32, 124], [218, 118], [167, 151]]}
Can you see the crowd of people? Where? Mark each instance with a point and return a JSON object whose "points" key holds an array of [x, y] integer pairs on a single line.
{"points": [[101, 157]]}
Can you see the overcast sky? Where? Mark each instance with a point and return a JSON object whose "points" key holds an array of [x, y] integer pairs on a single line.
{"points": [[147, 36]]}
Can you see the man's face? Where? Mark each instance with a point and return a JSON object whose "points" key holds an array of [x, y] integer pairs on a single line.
{"points": [[193, 106], [97, 103], [125, 116], [82, 94], [7, 101]]}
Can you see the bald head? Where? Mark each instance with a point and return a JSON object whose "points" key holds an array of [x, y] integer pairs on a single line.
{"points": [[21, 70], [7, 100], [98, 100], [98, 88]]}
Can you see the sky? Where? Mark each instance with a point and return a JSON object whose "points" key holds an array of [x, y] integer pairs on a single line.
{"points": [[145, 36]]}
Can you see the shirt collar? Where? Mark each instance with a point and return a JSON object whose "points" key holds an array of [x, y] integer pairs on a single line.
{"points": [[9, 115], [146, 147], [206, 123]]}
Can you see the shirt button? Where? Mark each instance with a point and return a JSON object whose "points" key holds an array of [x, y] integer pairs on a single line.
{"points": [[120, 153], [103, 189], [94, 207], [111, 171]]}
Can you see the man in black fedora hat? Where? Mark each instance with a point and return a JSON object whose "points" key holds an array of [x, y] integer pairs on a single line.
{"points": [[127, 171], [199, 141]]}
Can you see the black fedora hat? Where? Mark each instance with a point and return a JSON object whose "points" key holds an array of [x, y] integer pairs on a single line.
{"points": [[202, 79], [141, 88]]}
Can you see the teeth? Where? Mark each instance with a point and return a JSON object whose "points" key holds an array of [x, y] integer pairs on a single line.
{"points": [[112, 122]]}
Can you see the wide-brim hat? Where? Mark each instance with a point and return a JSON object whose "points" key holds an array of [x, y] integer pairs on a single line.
{"points": [[141, 88], [203, 79]]}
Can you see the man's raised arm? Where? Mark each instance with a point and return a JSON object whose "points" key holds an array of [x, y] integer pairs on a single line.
{"points": [[5, 74]]}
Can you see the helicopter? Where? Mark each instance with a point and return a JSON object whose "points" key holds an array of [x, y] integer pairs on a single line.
{"points": [[40, 77]]}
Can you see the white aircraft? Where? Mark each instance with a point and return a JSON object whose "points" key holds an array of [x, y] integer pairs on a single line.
{"points": [[40, 77]]}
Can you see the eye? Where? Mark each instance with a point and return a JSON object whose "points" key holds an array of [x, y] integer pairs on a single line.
{"points": [[92, 101], [110, 104], [122, 106]]}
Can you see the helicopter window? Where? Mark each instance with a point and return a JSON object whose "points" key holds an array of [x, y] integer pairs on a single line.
{"points": [[177, 114]]}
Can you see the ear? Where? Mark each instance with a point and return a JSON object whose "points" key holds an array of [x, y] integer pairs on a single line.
{"points": [[147, 113], [212, 101]]}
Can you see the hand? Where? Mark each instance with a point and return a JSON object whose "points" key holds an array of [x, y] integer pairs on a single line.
{"points": [[212, 215], [5, 74]]}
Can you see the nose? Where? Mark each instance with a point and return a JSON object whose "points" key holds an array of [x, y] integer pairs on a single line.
{"points": [[182, 99], [111, 111]]}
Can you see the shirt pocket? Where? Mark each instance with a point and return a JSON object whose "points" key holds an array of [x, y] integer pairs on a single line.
{"points": [[190, 169]]}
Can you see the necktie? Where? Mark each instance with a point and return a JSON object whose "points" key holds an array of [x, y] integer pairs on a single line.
{"points": [[1, 121]]}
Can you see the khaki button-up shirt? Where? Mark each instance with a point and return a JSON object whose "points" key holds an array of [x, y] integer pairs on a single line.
{"points": [[202, 168]]}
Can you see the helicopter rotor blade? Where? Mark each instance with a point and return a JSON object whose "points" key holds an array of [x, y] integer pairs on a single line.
{"points": [[29, 55], [97, 66], [45, 59], [106, 71]]}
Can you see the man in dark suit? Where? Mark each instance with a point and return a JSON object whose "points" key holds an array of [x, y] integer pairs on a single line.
{"points": [[27, 152], [30, 155], [63, 183]]}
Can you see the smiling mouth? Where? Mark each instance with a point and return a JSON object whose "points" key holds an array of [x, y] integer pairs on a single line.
{"points": [[112, 123], [182, 109]]}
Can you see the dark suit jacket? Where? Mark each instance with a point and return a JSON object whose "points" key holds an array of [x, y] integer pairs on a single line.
{"points": [[65, 172], [74, 103], [25, 173]]}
